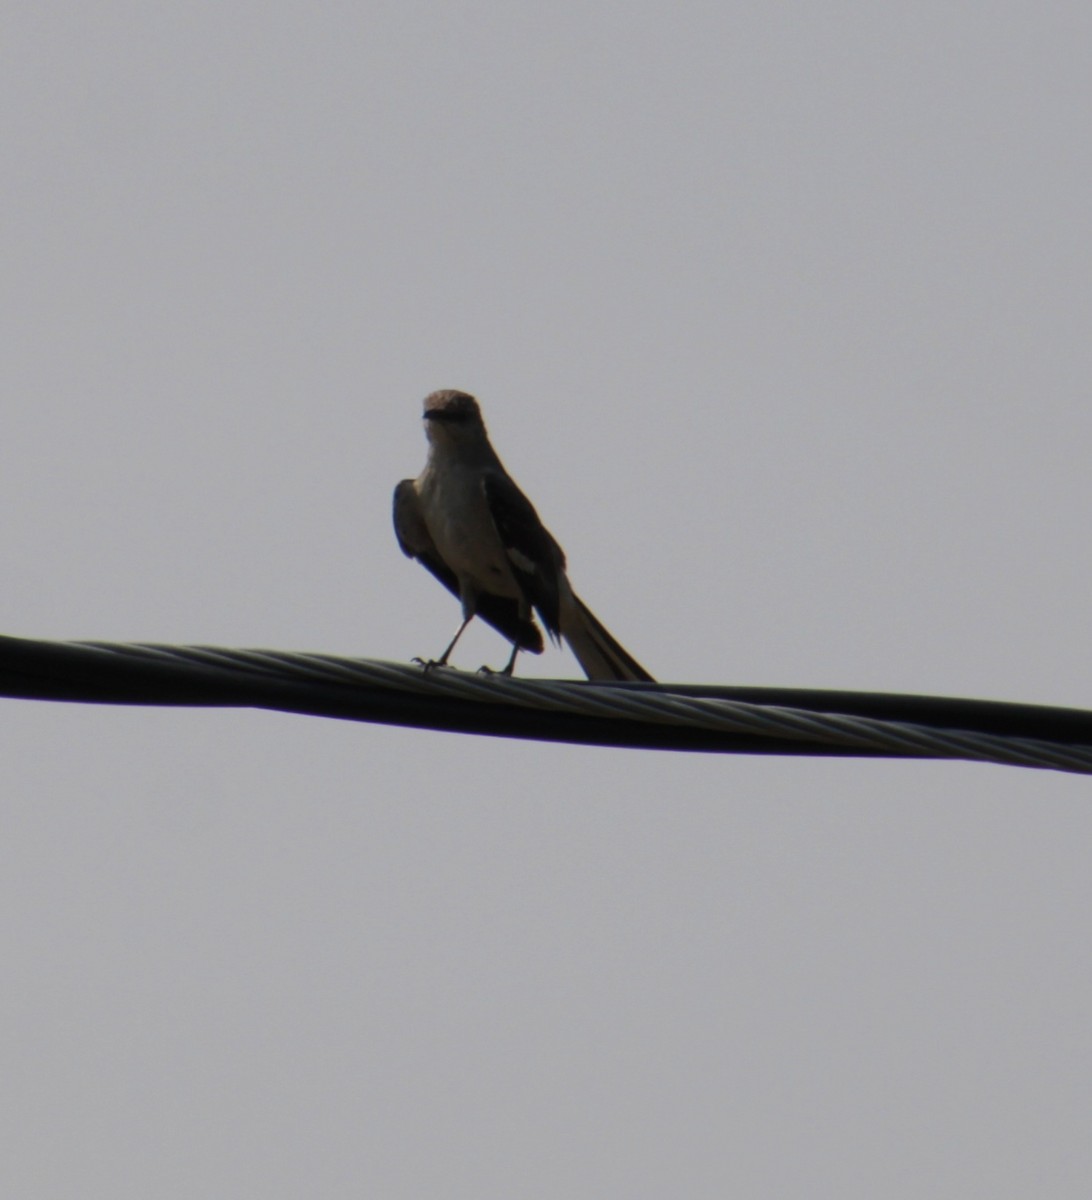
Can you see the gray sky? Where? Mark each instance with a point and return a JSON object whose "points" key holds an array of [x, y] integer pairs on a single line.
{"points": [[780, 315]]}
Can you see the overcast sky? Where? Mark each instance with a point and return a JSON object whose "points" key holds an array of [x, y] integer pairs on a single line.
{"points": [[781, 315]]}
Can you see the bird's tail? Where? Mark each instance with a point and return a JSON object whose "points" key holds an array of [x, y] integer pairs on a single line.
{"points": [[601, 656]]}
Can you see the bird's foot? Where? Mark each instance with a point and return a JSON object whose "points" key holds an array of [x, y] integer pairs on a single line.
{"points": [[505, 674], [429, 664], [508, 671]]}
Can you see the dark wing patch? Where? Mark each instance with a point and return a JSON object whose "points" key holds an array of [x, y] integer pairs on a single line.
{"points": [[416, 542], [535, 558], [409, 525]]}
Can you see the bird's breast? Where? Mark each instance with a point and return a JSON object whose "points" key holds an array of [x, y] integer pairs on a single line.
{"points": [[458, 518]]}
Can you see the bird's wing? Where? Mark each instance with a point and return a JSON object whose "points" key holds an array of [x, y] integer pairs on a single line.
{"points": [[410, 528], [537, 561], [416, 542]]}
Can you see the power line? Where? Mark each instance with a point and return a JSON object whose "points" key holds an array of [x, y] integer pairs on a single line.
{"points": [[638, 715]]}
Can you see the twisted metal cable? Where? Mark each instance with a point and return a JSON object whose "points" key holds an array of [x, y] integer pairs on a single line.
{"points": [[655, 716], [652, 715]]}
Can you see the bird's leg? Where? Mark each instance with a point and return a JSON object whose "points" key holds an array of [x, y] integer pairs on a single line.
{"points": [[442, 660], [508, 670]]}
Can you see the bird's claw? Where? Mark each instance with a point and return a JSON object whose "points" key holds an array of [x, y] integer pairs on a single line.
{"points": [[428, 664]]}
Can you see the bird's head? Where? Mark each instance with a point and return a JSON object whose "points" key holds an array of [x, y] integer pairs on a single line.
{"points": [[452, 417]]}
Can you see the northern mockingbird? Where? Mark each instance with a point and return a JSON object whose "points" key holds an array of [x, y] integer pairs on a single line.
{"points": [[466, 521]]}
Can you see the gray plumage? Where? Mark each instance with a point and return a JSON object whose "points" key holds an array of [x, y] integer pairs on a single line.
{"points": [[466, 521]]}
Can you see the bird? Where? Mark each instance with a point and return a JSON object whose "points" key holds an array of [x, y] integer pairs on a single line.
{"points": [[466, 521]]}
